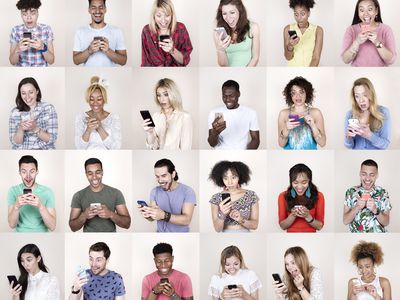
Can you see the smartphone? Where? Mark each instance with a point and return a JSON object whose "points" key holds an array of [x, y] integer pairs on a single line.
{"points": [[98, 38], [365, 196], [224, 196], [354, 122], [277, 278], [297, 118], [82, 272], [298, 206], [356, 282], [292, 34], [27, 35], [95, 205], [164, 37], [223, 30], [13, 278], [365, 27], [142, 203], [219, 116], [164, 280], [146, 115], [27, 191], [232, 286]]}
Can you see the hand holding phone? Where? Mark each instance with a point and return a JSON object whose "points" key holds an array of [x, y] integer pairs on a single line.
{"points": [[12, 279], [221, 30], [297, 118], [98, 38], [164, 37], [219, 117], [365, 27], [277, 277], [146, 116], [292, 34]]}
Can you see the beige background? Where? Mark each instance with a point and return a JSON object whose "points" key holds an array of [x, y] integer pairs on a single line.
{"points": [[117, 174], [51, 246], [186, 257], [279, 14], [253, 248], [186, 164], [252, 91], [51, 83], [347, 174], [256, 161]]}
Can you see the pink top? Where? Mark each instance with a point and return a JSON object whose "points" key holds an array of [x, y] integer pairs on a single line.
{"points": [[180, 281], [368, 55]]}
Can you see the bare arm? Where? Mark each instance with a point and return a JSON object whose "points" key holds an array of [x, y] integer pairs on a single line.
{"points": [[286, 223], [318, 127], [217, 222], [288, 48], [319, 39], [49, 54], [186, 217], [255, 45], [14, 55], [252, 222], [77, 219], [255, 140], [386, 288], [13, 215], [121, 217], [384, 218], [117, 56], [80, 57], [283, 132], [350, 213], [49, 217]]}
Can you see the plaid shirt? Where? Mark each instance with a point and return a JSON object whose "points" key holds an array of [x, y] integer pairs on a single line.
{"points": [[31, 57], [153, 55], [46, 119]]}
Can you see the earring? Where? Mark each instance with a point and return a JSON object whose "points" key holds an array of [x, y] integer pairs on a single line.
{"points": [[293, 193], [375, 270], [308, 192]]}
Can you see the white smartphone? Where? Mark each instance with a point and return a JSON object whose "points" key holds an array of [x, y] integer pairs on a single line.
{"points": [[219, 30], [354, 122], [25, 115], [95, 205], [298, 206], [356, 282]]}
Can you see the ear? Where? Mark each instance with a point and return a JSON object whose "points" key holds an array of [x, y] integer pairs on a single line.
{"points": [[238, 94], [173, 174], [39, 258]]}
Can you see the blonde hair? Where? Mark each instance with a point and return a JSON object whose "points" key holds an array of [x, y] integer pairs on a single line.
{"points": [[169, 10], [376, 117], [96, 85], [174, 95], [229, 252], [302, 262]]}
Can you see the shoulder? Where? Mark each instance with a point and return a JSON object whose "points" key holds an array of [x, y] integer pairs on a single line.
{"points": [[383, 109], [43, 188], [254, 28], [247, 109], [46, 105], [316, 274], [182, 274], [384, 282], [112, 189], [186, 187], [113, 28], [315, 111], [349, 113], [44, 27], [216, 278], [81, 192], [284, 113], [320, 195], [114, 275], [180, 26], [384, 27]]}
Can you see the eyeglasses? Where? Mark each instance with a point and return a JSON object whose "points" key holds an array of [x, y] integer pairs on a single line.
{"points": [[30, 12]]}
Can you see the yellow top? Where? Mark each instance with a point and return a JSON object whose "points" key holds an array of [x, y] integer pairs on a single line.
{"points": [[304, 49]]}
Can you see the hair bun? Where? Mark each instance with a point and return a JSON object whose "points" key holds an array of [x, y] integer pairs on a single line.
{"points": [[94, 79]]}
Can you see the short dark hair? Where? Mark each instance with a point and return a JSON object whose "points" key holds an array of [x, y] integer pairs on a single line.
{"points": [[28, 4], [305, 3], [237, 167], [302, 83], [21, 105], [101, 246], [90, 2], [369, 163], [356, 18], [231, 84], [170, 166], [162, 248], [27, 159], [93, 161]]}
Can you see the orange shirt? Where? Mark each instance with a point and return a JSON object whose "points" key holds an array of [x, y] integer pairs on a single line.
{"points": [[300, 224]]}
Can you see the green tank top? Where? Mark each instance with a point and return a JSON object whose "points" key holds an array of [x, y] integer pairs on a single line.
{"points": [[303, 51], [239, 55]]}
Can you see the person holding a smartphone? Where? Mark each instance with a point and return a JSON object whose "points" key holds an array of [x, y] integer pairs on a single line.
{"points": [[165, 41], [34, 282], [234, 209], [373, 126], [368, 42], [366, 256], [235, 280], [166, 282], [300, 126], [301, 208], [173, 128], [31, 42], [97, 128], [237, 39], [301, 280], [302, 39]]}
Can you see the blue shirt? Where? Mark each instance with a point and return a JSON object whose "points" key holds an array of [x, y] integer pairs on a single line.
{"points": [[105, 287]]}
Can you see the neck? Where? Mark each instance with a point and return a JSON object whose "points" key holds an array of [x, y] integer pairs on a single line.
{"points": [[97, 25], [303, 26], [98, 189], [35, 272], [174, 185], [168, 111]]}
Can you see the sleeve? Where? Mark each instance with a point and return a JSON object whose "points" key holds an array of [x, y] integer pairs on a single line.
{"points": [[386, 206], [13, 124], [76, 201], [77, 41], [253, 198], [49, 118], [380, 138], [146, 288], [190, 196], [254, 121], [347, 39], [216, 199], [254, 282], [79, 130], [120, 40], [49, 34], [49, 198], [187, 287], [146, 58], [13, 36], [348, 201], [390, 43], [282, 210], [213, 288], [120, 200], [120, 287], [153, 195], [186, 133], [114, 140], [53, 291], [316, 286], [211, 118], [320, 209], [348, 143], [184, 44]]}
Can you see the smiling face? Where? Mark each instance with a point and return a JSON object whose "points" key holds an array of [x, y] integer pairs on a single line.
{"points": [[162, 19], [28, 173], [232, 265], [29, 17], [230, 14], [29, 95], [97, 10], [163, 98], [301, 184], [164, 178], [164, 263], [96, 101], [298, 95], [230, 96], [365, 268], [30, 263], [367, 11], [361, 95], [97, 262], [368, 176], [291, 266], [94, 175], [301, 15]]}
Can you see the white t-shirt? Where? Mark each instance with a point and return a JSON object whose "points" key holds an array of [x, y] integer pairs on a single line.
{"points": [[84, 36], [43, 286], [239, 122]]}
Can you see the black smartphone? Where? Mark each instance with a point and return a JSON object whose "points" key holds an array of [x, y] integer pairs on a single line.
{"points": [[277, 278], [292, 33], [146, 115], [98, 38], [164, 37], [225, 196], [13, 278], [164, 280], [142, 203], [27, 191], [232, 286], [27, 35]]}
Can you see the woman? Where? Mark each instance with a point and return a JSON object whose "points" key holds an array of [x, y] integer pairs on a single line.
{"points": [[234, 209], [173, 126], [300, 126], [97, 128], [368, 286], [301, 280], [34, 281], [241, 45], [33, 124], [234, 280], [301, 208], [367, 124], [368, 42], [165, 42], [302, 40]]}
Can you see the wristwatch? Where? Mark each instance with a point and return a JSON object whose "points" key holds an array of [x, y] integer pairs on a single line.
{"points": [[75, 292], [379, 45], [174, 296]]}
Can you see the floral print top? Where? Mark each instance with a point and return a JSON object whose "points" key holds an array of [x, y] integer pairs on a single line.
{"points": [[365, 220]]}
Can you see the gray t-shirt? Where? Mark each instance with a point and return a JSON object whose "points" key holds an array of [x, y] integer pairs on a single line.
{"points": [[109, 196]]}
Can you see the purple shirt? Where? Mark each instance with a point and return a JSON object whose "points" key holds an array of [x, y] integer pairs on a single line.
{"points": [[368, 55], [172, 202]]}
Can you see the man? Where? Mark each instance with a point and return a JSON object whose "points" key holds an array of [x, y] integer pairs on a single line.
{"points": [[367, 206], [31, 42], [99, 44], [229, 126], [30, 205], [98, 207], [98, 282], [171, 203], [166, 282]]}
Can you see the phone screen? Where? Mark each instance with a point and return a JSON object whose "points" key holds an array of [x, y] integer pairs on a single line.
{"points": [[232, 286], [164, 280], [27, 191], [277, 278], [292, 33], [142, 203], [27, 35], [164, 37], [98, 38], [224, 196], [224, 33], [13, 278], [146, 115]]}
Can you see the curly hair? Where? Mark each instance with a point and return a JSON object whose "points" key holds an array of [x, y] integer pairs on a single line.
{"points": [[28, 4], [238, 168], [356, 17], [304, 3], [367, 250], [302, 83]]}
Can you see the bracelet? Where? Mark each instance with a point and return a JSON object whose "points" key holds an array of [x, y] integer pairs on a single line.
{"points": [[154, 292], [75, 292], [44, 48], [377, 212], [301, 289], [312, 220], [167, 216], [37, 131], [221, 215]]}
